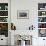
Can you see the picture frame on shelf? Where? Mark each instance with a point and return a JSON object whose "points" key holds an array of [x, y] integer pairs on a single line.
{"points": [[22, 14]]}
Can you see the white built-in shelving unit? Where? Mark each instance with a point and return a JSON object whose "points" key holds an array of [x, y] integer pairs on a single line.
{"points": [[42, 19]]}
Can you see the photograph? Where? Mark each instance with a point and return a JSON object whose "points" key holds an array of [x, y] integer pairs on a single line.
{"points": [[22, 14]]}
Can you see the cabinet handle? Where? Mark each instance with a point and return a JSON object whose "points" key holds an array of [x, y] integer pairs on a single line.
{"points": [[1, 39], [43, 39]]}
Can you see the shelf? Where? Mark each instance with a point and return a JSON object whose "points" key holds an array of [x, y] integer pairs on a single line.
{"points": [[41, 22], [41, 28], [3, 22], [3, 16], [41, 10], [42, 16], [3, 10]]}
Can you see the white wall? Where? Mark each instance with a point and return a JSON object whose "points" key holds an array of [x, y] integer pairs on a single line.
{"points": [[23, 24], [32, 6]]}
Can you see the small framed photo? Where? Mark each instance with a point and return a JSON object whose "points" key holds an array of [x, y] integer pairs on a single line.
{"points": [[22, 14]]}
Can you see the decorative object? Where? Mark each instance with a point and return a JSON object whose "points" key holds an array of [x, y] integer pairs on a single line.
{"points": [[3, 13], [42, 25], [23, 40], [22, 43], [6, 7], [41, 6], [23, 14], [0, 7], [13, 27], [42, 32], [41, 19], [3, 19], [31, 27], [43, 13]]}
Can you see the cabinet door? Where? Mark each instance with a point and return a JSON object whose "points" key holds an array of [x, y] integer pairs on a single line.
{"points": [[41, 41]]}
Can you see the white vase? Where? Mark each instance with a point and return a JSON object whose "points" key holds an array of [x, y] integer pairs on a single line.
{"points": [[22, 43]]}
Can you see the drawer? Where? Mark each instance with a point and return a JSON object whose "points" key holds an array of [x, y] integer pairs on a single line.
{"points": [[3, 41]]}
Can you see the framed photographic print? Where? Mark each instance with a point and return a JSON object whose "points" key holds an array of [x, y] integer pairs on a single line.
{"points": [[22, 14]]}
